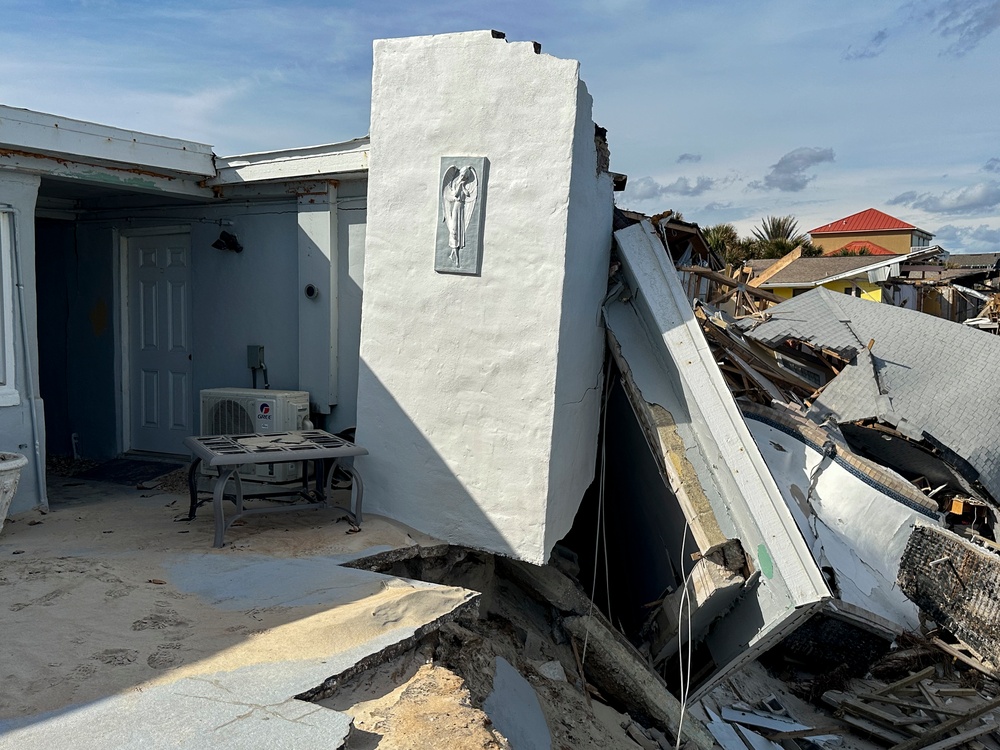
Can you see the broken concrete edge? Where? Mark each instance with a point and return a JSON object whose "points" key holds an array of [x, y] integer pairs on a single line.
{"points": [[613, 665], [467, 609], [382, 561], [552, 588]]}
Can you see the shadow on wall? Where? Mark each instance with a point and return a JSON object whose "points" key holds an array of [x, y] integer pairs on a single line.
{"points": [[431, 498]]}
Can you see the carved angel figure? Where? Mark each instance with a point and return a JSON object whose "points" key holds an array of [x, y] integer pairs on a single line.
{"points": [[458, 193]]}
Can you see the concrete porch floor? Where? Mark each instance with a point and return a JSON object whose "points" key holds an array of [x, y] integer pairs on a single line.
{"points": [[123, 628]]}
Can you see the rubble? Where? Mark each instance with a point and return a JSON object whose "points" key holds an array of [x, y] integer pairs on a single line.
{"points": [[846, 406], [538, 623]]}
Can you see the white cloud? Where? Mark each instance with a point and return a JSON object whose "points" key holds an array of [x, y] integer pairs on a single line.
{"points": [[789, 173], [968, 239], [972, 199]]}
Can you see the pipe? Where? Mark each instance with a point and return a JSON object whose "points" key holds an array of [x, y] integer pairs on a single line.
{"points": [[29, 375]]}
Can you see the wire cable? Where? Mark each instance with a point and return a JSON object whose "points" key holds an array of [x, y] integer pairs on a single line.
{"points": [[600, 517], [685, 602]]}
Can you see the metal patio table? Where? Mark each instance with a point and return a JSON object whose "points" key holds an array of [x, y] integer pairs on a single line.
{"points": [[228, 453]]}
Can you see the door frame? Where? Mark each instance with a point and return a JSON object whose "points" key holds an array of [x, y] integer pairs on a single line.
{"points": [[123, 349]]}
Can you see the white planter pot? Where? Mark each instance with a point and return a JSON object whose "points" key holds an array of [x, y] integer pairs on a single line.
{"points": [[10, 472]]}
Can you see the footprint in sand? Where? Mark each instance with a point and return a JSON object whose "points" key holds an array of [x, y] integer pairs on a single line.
{"points": [[165, 656], [117, 656], [83, 672], [160, 621], [119, 591]]}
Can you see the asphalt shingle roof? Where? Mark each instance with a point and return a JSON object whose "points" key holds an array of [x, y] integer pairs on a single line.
{"points": [[926, 376], [806, 270]]}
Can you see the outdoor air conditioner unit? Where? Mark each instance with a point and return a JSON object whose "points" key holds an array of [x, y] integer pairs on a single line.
{"points": [[249, 411]]}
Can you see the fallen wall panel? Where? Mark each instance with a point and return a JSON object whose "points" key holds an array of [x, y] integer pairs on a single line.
{"points": [[711, 455]]}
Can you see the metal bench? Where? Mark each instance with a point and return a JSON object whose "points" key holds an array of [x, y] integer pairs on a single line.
{"points": [[227, 453]]}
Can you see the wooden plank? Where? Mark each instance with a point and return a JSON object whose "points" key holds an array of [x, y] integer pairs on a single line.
{"points": [[728, 282], [959, 739], [802, 733], [871, 729], [916, 706], [964, 658], [948, 726], [923, 674], [893, 721], [780, 265]]}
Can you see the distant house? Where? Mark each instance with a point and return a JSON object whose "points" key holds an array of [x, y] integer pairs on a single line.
{"points": [[871, 228], [860, 247], [855, 275]]}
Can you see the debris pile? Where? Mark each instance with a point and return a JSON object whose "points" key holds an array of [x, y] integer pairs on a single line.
{"points": [[897, 705], [536, 666], [859, 490]]}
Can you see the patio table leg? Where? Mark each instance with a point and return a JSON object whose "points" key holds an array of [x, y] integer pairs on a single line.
{"points": [[218, 497], [357, 488], [193, 487]]}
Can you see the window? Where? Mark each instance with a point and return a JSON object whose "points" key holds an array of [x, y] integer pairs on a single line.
{"points": [[8, 393]]}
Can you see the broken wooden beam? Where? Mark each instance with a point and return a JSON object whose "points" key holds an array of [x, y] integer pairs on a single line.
{"points": [[944, 728]]}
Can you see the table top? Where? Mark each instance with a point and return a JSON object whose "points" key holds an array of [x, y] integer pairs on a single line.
{"points": [[273, 448]]}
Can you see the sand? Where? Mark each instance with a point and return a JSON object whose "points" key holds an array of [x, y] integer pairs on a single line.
{"points": [[107, 594]]}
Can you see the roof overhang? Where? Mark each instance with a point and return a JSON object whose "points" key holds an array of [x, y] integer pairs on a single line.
{"points": [[331, 161], [63, 148]]}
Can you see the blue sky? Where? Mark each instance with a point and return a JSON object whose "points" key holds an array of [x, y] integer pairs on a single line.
{"points": [[723, 110]]}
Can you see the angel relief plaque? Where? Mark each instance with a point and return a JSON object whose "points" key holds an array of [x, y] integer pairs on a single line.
{"points": [[461, 206]]}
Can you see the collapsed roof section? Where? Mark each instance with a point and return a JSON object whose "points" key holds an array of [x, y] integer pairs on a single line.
{"points": [[903, 373]]}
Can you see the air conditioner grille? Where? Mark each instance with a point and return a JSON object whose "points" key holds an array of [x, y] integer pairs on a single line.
{"points": [[231, 418]]}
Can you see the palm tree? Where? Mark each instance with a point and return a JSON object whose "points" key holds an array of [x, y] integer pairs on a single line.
{"points": [[727, 243], [778, 236]]}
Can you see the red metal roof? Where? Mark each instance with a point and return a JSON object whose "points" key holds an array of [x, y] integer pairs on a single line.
{"points": [[853, 247], [870, 220]]}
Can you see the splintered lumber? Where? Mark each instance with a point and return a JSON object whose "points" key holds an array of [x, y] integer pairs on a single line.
{"points": [[965, 658], [804, 733], [870, 728], [860, 708], [914, 678], [732, 283], [916, 706], [944, 728], [959, 739], [775, 268]]}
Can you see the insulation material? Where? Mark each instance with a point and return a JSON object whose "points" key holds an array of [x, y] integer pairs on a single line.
{"points": [[957, 583]]}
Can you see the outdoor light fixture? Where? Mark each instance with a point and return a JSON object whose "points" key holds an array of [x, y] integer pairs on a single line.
{"points": [[228, 241]]}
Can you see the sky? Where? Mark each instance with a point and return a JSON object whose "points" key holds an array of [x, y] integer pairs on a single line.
{"points": [[724, 110]]}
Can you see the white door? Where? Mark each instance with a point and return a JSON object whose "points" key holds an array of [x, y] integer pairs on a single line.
{"points": [[161, 408]]}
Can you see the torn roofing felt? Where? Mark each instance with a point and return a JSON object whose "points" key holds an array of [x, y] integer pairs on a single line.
{"points": [[929, 378]]}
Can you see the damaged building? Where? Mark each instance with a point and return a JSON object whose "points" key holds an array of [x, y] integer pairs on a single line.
{"points": [[654, 496]]}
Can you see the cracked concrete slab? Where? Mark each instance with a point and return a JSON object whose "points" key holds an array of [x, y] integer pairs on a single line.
{"points": [[125, 629]]}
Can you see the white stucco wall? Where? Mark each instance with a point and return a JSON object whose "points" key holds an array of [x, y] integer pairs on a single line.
{"points": [[477, 395], [19, 192]]}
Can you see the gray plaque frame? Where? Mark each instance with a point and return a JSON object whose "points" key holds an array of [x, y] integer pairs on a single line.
{"points": [[464, 226]]}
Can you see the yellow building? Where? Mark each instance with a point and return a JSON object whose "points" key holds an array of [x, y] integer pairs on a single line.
{"points": [[870, 226], [856, 275]]}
